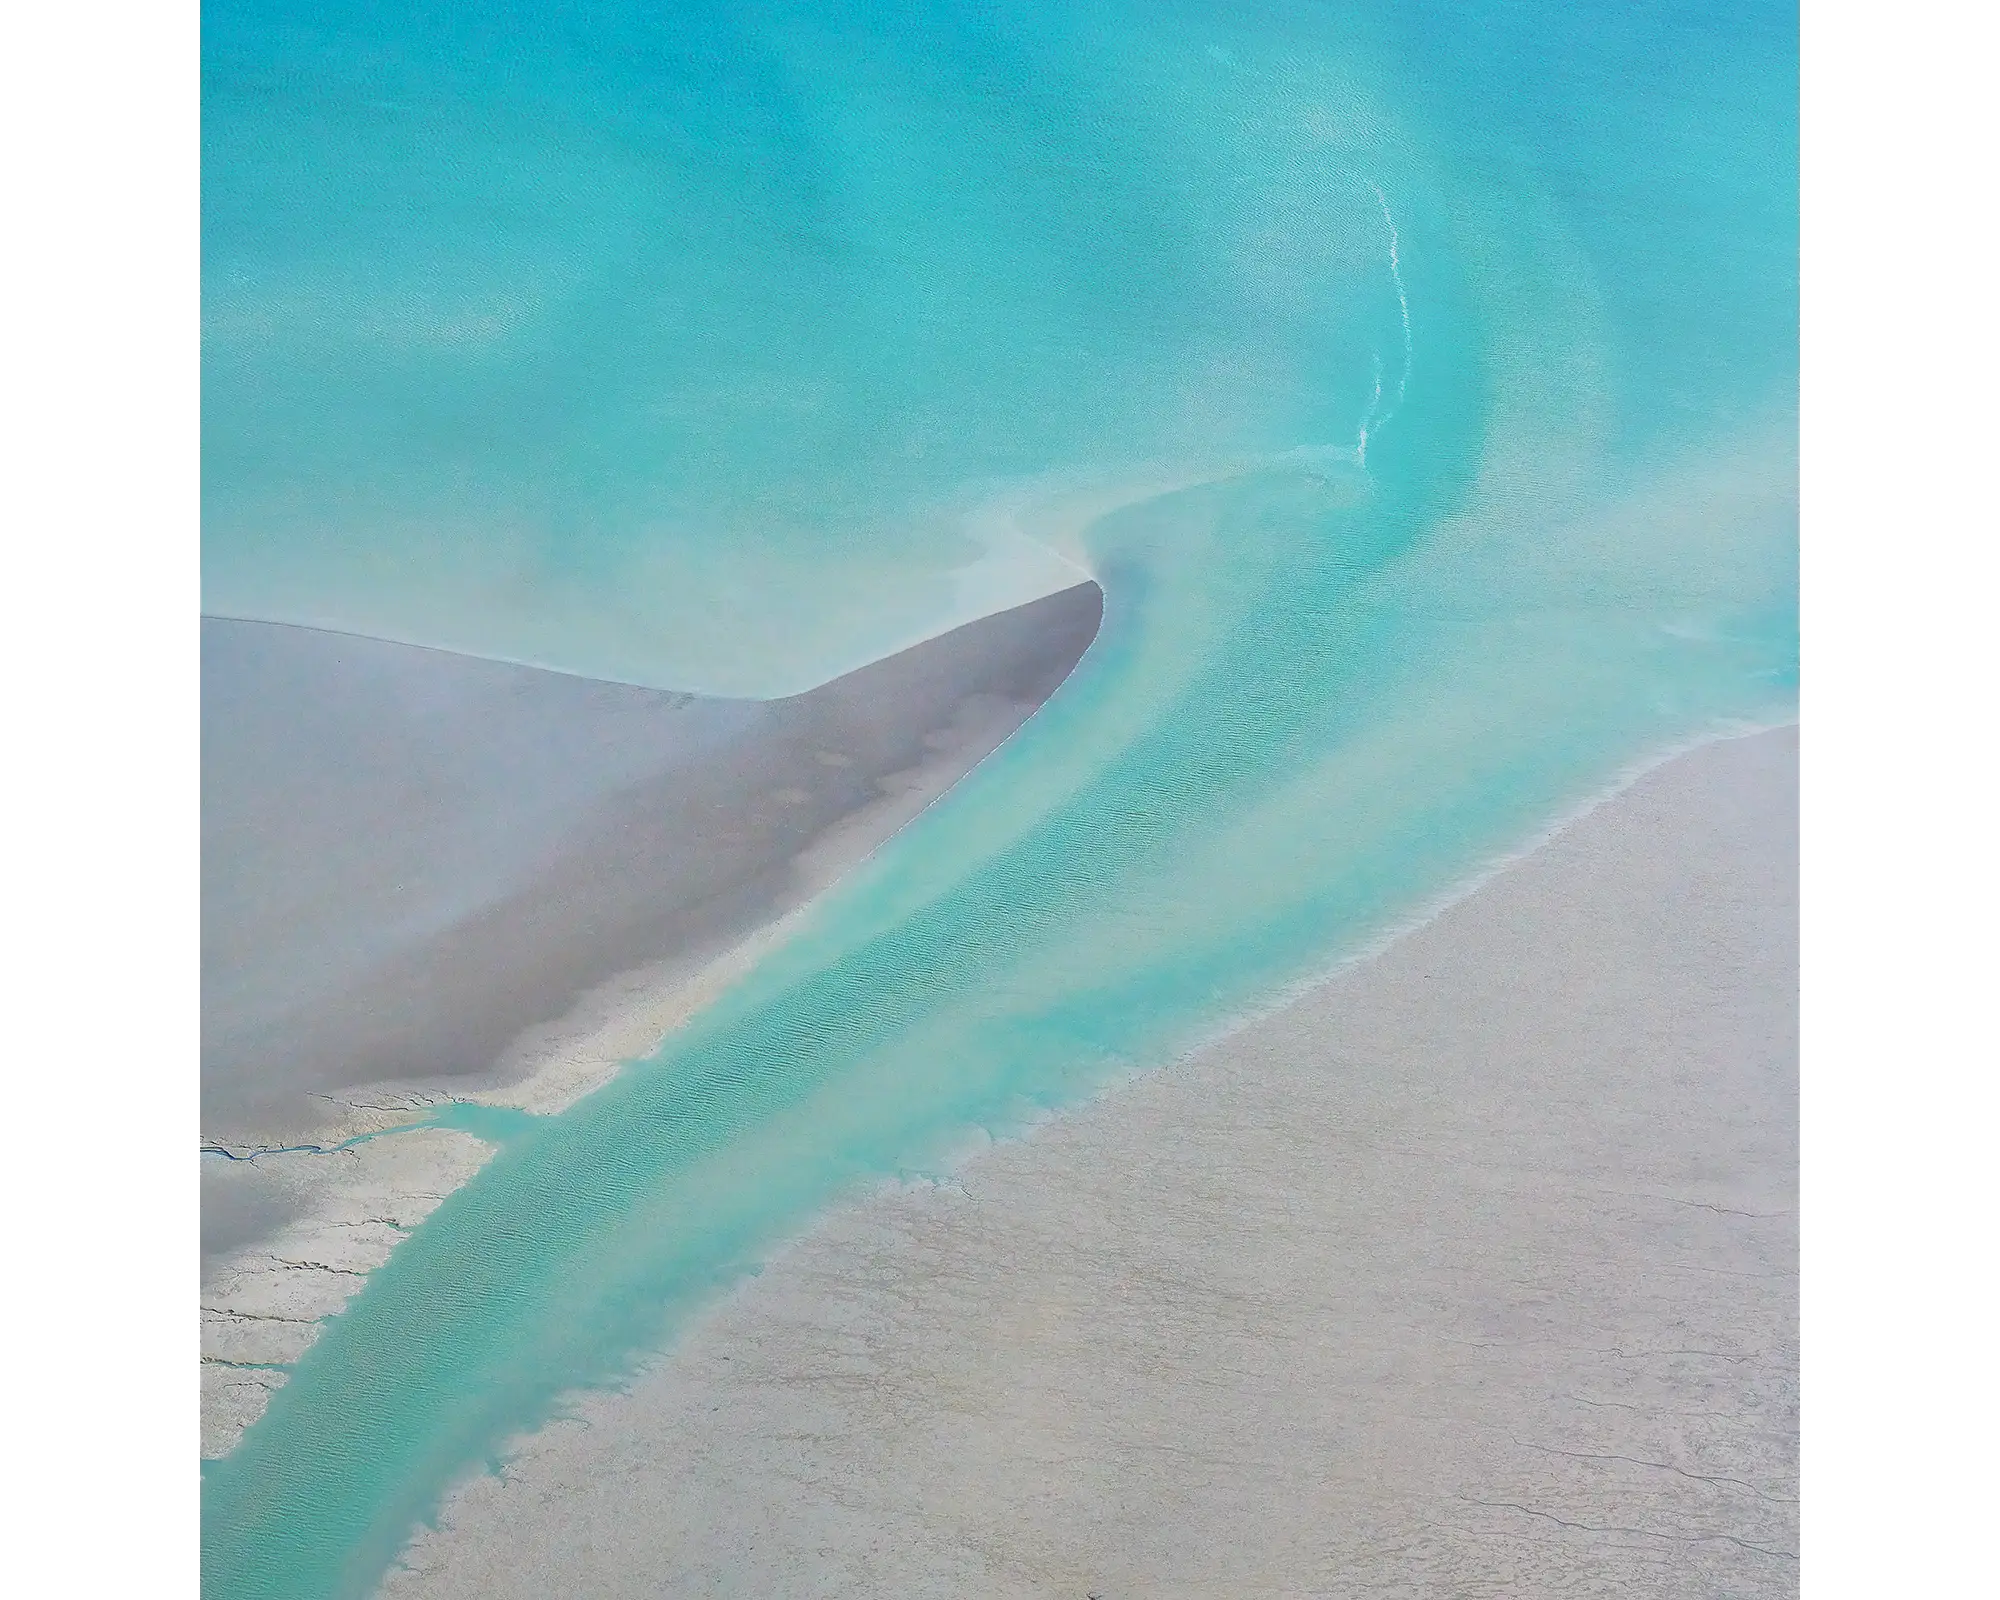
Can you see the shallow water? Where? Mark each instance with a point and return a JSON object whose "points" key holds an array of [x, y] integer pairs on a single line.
{"points": [[1418, 382]]}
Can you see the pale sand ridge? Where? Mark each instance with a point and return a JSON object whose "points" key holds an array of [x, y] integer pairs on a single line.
{"points": [[1471, 1272]]}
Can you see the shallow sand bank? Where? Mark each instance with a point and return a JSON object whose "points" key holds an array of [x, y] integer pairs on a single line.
{"points": [[1472, 1271], [410, 859], [430, 879]]}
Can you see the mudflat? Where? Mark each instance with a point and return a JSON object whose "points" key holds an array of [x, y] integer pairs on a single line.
{"points": [[1473, 1270]]}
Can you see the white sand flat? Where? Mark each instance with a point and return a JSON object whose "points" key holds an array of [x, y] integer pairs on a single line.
{"points": [[1471, 1272]]}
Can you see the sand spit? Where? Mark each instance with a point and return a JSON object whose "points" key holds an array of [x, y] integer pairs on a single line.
{"points": [[1473, 1271], [429, 879]]}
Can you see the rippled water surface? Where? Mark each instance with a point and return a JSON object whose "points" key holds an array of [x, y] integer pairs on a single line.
{"points": [[1419, 382]]}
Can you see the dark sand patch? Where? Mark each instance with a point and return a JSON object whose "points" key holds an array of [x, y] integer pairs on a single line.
{"points": [[412, 859], [1471, 1272]]}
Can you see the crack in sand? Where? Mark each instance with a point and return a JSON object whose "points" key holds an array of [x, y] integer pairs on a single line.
{"points": [[1640, 1533], [1663, 1466]]}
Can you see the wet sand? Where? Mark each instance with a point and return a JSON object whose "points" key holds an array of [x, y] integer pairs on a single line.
{"points": [[1472, 1271], [431, 879], [410, 859]]}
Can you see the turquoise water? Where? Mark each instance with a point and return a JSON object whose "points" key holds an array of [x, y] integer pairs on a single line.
{"points": [[1419, 382]]}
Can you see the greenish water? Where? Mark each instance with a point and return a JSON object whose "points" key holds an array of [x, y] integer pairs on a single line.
{"points": [[1418, 382]]}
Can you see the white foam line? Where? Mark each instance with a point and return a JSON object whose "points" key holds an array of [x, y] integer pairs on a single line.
{"points": [[1371, 421], [1402, 296], [1368, 416]]}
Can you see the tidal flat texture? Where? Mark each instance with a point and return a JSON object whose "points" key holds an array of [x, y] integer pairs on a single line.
{"points": [[1419, 385], [1472, 1271], [429, 879]]}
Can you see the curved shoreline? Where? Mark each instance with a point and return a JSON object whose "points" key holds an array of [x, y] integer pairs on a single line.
{"points": [[354, 1192], [1075, 912], [1475, 1253]]}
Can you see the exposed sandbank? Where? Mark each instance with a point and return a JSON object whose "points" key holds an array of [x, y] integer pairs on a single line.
{"points": [[411, 859], [1472, 1271], [428, 878]]}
